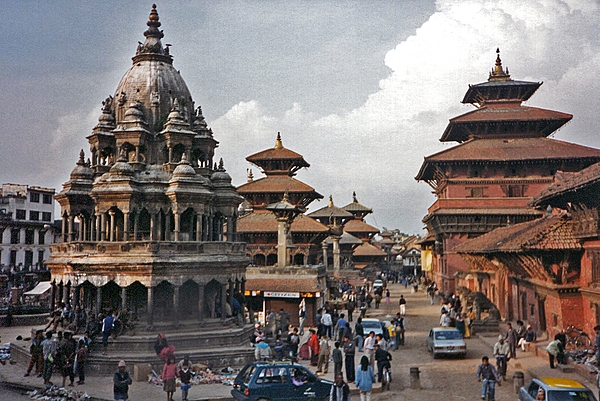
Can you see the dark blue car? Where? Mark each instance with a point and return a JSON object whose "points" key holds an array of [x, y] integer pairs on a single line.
{"points": [[278, 381]]}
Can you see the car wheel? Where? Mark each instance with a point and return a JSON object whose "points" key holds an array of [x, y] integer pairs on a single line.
{"points": [[435, 356]]}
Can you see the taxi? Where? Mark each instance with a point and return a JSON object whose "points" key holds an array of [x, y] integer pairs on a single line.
{"points": [[556, 389]]}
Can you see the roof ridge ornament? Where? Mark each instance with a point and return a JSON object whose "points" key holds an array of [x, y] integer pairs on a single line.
{"points": [[498, 73], [278, 143], [152, 47]]}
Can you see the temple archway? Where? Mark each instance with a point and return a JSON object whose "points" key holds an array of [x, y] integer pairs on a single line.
{"points": [[163, 301], [212, 299], [188, 300]]}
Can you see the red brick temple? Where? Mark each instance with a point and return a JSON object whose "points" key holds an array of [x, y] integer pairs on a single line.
{"points": [[502, 160]]}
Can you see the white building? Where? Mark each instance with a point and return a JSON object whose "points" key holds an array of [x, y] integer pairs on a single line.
{"points": [[26, 227]]}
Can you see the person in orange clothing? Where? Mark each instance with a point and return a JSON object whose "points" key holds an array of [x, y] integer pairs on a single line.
{"points": [[313, 345]]}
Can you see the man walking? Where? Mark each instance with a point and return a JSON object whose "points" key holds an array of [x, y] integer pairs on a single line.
{"points": [[369, 347], [512, 339], [37, 354], [349, 352], [339, 390], [402, 304]]}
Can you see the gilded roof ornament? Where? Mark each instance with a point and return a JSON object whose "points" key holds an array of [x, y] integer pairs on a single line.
{"points": [[278, 143], [498, 73]]}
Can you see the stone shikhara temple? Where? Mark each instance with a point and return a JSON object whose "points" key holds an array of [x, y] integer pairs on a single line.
{"points": [[149, 219]]}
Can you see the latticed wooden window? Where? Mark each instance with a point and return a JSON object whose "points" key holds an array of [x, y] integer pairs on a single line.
{"points": [[595, 259]]}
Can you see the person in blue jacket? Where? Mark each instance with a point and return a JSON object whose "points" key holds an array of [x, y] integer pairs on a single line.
{"points": [[364, 379]]}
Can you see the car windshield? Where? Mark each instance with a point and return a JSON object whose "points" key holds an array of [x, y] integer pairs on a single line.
{"points": [[448, 335], [371, 325], [574, 395]]}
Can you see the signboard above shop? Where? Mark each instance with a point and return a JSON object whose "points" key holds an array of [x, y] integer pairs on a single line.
{"points": [[279, 294]]}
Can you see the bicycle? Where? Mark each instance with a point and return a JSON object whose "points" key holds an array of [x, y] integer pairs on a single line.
{"points": [[577, 338], [488, 388], [386, 378], [501, 365]]}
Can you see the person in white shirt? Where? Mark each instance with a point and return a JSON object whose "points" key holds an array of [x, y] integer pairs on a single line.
{"points": [[369, 347], [445, 320], [327, 323]]}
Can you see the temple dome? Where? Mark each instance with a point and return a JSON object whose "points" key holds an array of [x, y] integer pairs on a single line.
{"points": [[153, 82], [82, 172]]}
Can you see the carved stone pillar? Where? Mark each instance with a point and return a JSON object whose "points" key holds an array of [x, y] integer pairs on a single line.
{"points": [[64, 230], [150, 308], [71, 234], [126, 226], [153, 225], [176, 217], [223, 301], [111, 213], [176, 305], [103, 227], [123, 298], [198, 228], [98, 300]]}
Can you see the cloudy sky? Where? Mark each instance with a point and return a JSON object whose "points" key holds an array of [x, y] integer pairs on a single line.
{"points": [[363, 89]]}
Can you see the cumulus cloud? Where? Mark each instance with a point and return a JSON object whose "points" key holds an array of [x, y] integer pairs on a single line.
{"points": [[377, 148]]}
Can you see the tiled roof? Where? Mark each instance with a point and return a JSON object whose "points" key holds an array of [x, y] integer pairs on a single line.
{"points": [[514, 113], [359, 226], [367, 249], [276, 183], [568, 183], [546, 121], [276, 154], [487, 211], [265, 221], [503, 150], [547, 233], [357, 207], [330, 211], [282, 284], [346, 239]]}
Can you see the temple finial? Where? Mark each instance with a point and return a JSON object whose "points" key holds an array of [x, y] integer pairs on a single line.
{"points": [[81, 161], [330, 201], [354, 197], [153, 24], [250, 175], [221, 167], [278, 143], [498, 73]]}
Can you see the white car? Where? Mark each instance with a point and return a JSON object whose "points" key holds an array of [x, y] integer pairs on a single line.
{"points": [[377, 283], [446, 341]]}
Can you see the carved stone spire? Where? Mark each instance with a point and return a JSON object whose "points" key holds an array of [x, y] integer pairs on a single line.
{"points": [[152, 48]]}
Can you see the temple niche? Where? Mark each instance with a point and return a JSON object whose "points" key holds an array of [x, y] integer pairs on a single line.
{"points": [[149, 219]]}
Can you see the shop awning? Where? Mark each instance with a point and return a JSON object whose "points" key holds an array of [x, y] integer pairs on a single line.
{"points": [[41, 288]]}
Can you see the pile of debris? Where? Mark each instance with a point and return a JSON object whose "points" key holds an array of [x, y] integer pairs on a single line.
{"points": [[55, 393], [201, 375]]}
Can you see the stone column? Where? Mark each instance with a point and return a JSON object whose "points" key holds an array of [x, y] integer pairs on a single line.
{"points": [[336, 255], [201, 302], [103, 227], [167, 226], [71, 234], [176, 305], [223, 301], [136, 222], [150, 308], [281, 242], [64, 230], [324, 248], [176, 217], [153, 225], [53, 296], [231, 292], [198, 227], [98, 300], [81, 228], [111, 236], [123, 298], [126, 226]]}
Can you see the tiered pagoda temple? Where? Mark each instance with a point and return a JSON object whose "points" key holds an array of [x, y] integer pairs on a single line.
{"points": [[503, 159], [274, 284], [149, 220], [258, 228], [365, 254]]}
